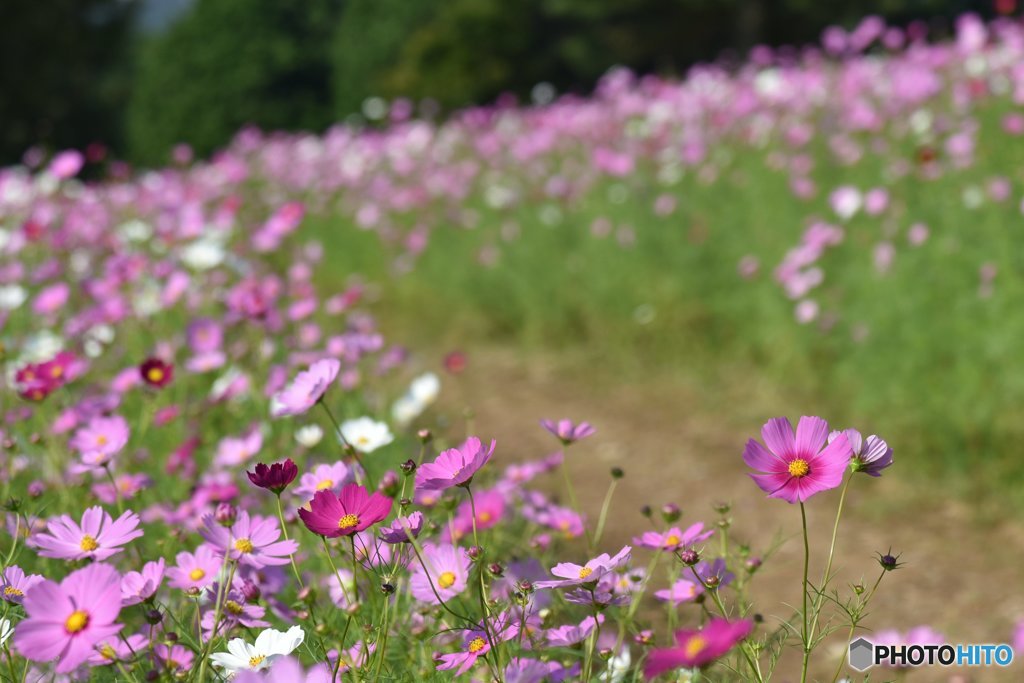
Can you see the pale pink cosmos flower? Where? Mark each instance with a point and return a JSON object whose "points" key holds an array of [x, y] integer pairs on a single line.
{"points": [[324, 477], [99, 441], [139, 586], [454, 467], [250, 541], [576, 575], [566, 431], [66, 621], [232, 451], [446, 568], [195, 571], [308, 387], [16, 583], [871, 455], [674, 539], [570, 634], [97, 538], [681, 591], [476, 644]]}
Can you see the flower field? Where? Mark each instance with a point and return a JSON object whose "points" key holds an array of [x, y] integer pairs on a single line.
{"points": [[277, 415]]}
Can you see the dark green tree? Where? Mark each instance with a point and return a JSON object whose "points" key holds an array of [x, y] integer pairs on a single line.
{"points": [[63, 77], [229, 63]]}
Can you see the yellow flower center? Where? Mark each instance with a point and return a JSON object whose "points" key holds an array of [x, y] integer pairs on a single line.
{"points": [[156, 375], [196, 574], [446, 580], [325, 484], [585, 572], [243, 545], [486, 516], [108, 652], [11, 590], [56, 371], [694, 646], [88, 544], [101, 440], [672, 540], [233, 607], [477, 644], [362, 441], [348, 521], [799, 468], [76, 622], [256, 661]]}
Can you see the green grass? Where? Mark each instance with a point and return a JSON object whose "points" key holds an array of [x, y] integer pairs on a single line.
{"points": [[939, 373]]}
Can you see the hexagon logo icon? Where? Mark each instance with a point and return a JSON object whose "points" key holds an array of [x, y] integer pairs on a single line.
{"points": [[862, 654]]}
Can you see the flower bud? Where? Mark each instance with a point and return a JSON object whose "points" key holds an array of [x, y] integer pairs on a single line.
{"points": [[605, 653], [646, 511], [389, 483], [889, 561], [495, 569], [387, 588], [858, 589], [670, 512], [225, 514], [722, 507], [712, 581], [307, 594], [404, 502], [36, 488], [617, 473], [154, 617], [424, 436], [475, 552], [689, 557], [645, 637], [525, 586], [408, 467], [171, 637], [250, 591], [753, 564]]}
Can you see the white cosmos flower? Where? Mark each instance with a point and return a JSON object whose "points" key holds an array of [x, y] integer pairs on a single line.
{"points": [[12, 296], [618, 667], [5, 631], [366, 434], [309, 435], [405, 410], [425, 388], [269, 645], [203, 254]]}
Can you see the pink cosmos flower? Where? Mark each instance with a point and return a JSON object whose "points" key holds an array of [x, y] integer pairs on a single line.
{"points": [[323, 477], [173, 658], [680, 592], [402, 529], [251, 541], [454, 467], [490, 510], [237, 450], [139, 586], [67, 620], [476, 644], [570, 634], [674, 539], [97, 538], [871, 455], [797, 467], [697, 648], [113, 649], [100, 440], [446, 568], [127, 486], [575, 575], [566, 431], [16, 583], [347, 513], [195, 571], [306, 389]]}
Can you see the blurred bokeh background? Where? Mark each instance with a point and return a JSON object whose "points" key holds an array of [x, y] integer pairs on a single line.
{"points": [[138, 76]]}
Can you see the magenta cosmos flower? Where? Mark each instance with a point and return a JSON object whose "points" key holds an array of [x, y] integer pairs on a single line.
{"points": [[275, 477], [139, 586], [566, 431], [308, 387], [795, 467], [67, 620], [698, 648], [444, 572], [454, 467], [349, 512], [871, 455], [575, 575], [97, 538], [251, 542]]}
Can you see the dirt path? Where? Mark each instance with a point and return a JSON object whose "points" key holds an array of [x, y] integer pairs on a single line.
{"points": [[682, 443]]}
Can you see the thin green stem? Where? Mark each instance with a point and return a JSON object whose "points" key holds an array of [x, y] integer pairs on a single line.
{"points": [[807, 562], [284, 532]]}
